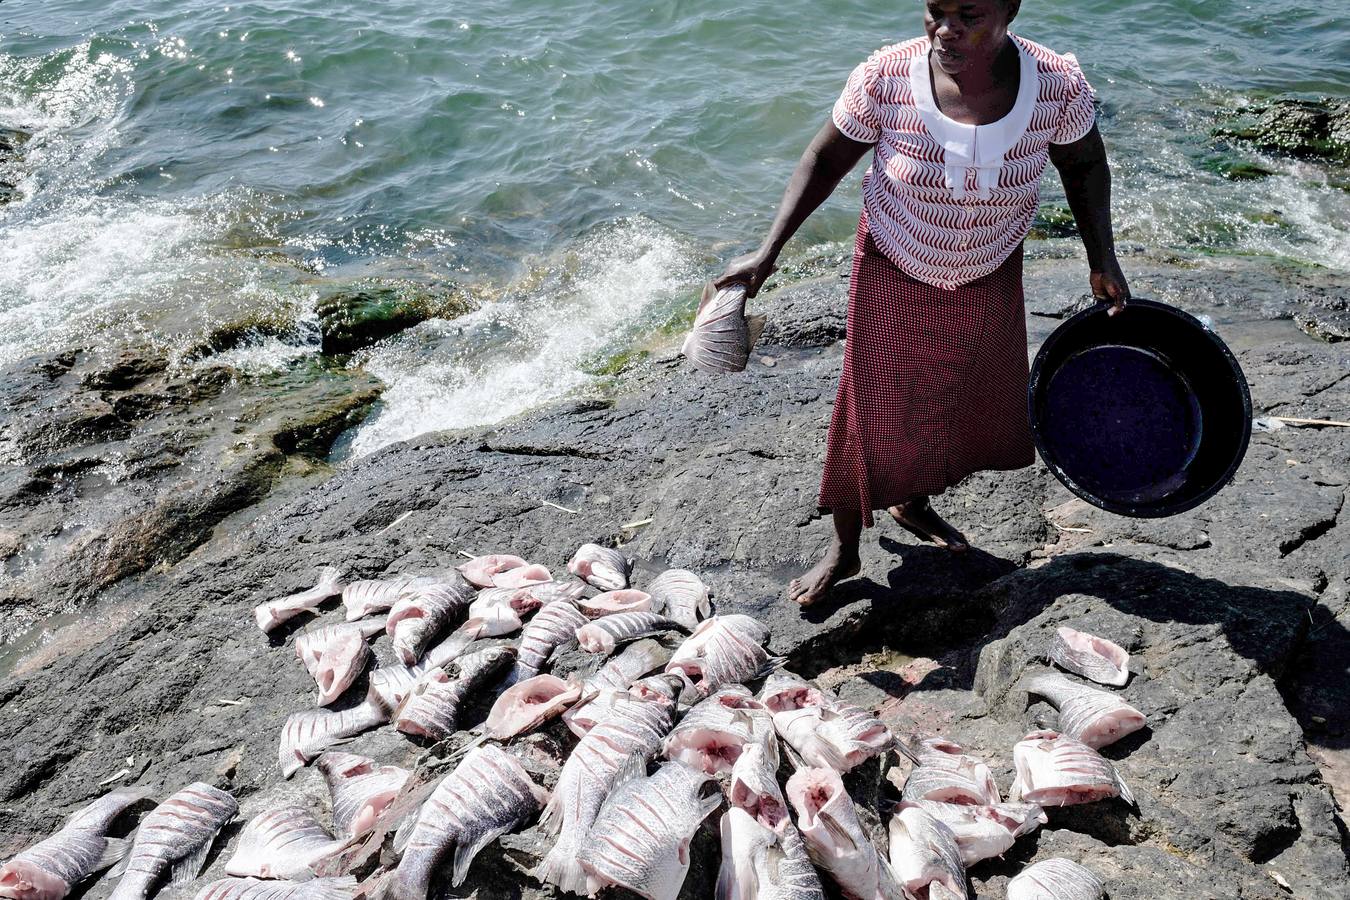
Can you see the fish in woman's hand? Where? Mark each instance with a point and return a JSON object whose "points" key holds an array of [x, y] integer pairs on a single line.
{"points": [[722, 650], [945, 773], [1056, 879], [682, 595], [601, 567], [281, 843], [1097, 718], [487, 795], [982, 832], [714, 733], [432, 709], [618, 674], [834, 837], [175, 838], [480, 570], [640, 839], [924, 853], [528, 704], [50, 868], [722, 336], [308, 733], [360, 789], [1056, 770], [343, 888], [336, 654], [602, 635], [555, 626], [1094, 658], [424, 612], [627, 736], [274, 612]]}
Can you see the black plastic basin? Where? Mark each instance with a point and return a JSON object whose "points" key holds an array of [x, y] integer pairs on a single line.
{"points": [[1144, 414]]}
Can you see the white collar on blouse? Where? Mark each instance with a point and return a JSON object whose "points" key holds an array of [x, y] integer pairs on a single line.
{"points": [[978, 147]]}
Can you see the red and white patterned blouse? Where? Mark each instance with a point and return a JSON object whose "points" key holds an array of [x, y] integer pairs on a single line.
{"points": [[949, 202]]}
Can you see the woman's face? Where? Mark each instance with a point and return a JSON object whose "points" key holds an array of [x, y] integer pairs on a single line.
{"points": [[967, 33]]}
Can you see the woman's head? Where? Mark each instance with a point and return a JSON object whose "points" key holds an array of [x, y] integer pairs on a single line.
{"points": [[967, 33]]}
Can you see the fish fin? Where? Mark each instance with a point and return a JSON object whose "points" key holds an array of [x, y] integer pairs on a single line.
{"points": [[708, 804], [560, 867], [187, 868], [890, 887], [1125, 793], [120, 867], [403, 834], [838, 832], [464, 853], [755, 325], [905, 750], [733, 872], [1015, 790], [794, 757], [771, 665], [114, 852]]}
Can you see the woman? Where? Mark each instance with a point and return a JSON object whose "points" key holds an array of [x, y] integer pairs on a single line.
{"points": [[962, 123]]}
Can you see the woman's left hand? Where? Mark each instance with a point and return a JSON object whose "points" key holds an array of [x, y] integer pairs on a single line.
{"points": [[1109, 286]]}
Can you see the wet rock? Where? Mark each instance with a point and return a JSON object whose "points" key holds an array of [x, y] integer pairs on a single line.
{"points": [[357, 317], [1327, 326], [1312, 128], [12, 140]]}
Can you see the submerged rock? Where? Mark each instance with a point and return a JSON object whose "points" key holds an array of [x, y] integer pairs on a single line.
{"points": [[1309, 128], [359, 316]]}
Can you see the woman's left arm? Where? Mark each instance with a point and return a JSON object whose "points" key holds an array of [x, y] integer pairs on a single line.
{"points": [[1086, 175]]}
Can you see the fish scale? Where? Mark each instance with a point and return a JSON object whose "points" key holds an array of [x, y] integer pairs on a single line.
{"points": [[945, 773], [360, 789], [602, 567], [722, 650], [1056, 879], [834, 838], [432, 709], [924, 854], [175, 835], [602, 635], [1056, 770], [712, 735], [1097, 718], [983, 832], [343, 888], [281, 843], [682, 595], [308, 733], [51, 867], [854, 733], [1094, 658], [554, 626], [363, 598], [423, 612], [273, 613], [617, 674]]}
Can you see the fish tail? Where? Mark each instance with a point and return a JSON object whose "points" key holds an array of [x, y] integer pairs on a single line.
{"points": [[561, 867]]}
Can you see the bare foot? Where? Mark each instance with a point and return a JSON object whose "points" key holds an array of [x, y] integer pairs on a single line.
{"points": [[920, 519], [833, 568]]}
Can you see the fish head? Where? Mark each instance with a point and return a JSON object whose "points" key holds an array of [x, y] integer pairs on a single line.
{"points": [[783, 692], [338, 667], [480, 570], [754, 786], [24, 880], [529, 702]]}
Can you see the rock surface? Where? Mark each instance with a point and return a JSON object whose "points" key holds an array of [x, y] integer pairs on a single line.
{"points": [[1315, 128], [358, 316], [1234, 611]]}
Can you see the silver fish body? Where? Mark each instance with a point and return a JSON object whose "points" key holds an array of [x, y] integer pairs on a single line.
{"points": [[370, 596], [432, 709], [854, 733], [601, 567], [602, 635], [273, 613], [720, 339], [1094, 658], [50, 868], [983, 832], [924, 852], [336, 654], [175, 837], [424, 612], [1056, 770], [640, 839], [308, 733], [553, 627], [835, 839], [281, 843], [528, 704], [1056, 879], [521, 602], [946, 774], [487, 795], [1097, 718], [618, 674], [799, 710], [360, 790], [682, 595], [343, 888], [722, 650], [712, 735]]}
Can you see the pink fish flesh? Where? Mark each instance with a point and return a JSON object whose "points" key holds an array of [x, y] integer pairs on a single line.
{"points": [[946, 774], [600, 567], [50, 868], [722, 650], [521, 602], [522, 576], [432, 709], [528, 704], [360, 790], [555, 626], [422, 613], [983, 832], [480, 570], [598, 691], [783, 692], [611, 602], [854, 733], [307, 734], [175, 838], [834, 837], [1094, 717], [605, 633], [720, 340], [281, 843], [343, 888], [274, 612], [682, 595], [1056, 879], [335, 655], [713, 734], [1056, 770], [924, 852], [799, 710], [1096, 659]]}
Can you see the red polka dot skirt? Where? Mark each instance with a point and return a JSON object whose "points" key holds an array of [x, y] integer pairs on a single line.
{"points": [[934, 385]]}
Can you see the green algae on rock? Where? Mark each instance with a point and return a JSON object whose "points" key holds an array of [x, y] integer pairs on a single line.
{"points": [[357, 316], [1298, 127]]}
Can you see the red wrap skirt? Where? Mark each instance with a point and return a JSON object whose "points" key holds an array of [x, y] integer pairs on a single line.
{"points": [[934, 385]]}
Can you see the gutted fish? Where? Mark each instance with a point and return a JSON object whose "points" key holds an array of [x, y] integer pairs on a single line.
{"points": [[424, 612], [432, 709], [854, 733], [360, 789], [682, 595], [487, 795], [50, 868], [520, 602], [924, 852], [1096, 659], [365, 598], [623, 740], [343, 888], [336, 655], [611, 602], [175, 838], [945, 773], [982, 832], [712, 735], [281, 843], [528, 704], [641, 836], [722, 650], [601, 567], [604, 634], [522, 576], [618, 674], [307, 734], [390, 685], [1056, 879], [548, 591], [834, 837], [1096, 718], [555, 626], [720, 340], [1056, 770], [274, 612], [480, 570], [799, 710]]}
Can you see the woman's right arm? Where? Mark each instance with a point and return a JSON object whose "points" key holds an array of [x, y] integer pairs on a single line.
{"points": [[827, 159]]}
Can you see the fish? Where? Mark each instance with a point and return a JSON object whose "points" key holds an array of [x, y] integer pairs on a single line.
{"points": [[281, 843], [528, 704], [600, 567], [360, 790], [626, 737], [1056, 879], [1097, 718], [610, 602], [1056, 770], [335, 655], [308, 733], [174, 837], [798, 709], [763, 855], [520, 602], [616, 675], [713, 734], [480, 569], [422, 613], [487, 795], [365, 598], [945, 773], [1094, 658], [834, 837], [555, 626], [432, 709], [924, 852], [854, 733], [49, 869], [640, 840], [273, 613], [602, 635], [548, 591], [982, 832], [522, 576], [343, 888], [720, 340], [722, 650], [682, 595], [391, 684]]}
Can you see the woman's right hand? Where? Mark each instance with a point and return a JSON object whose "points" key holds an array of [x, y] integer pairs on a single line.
{"points": [[751, 270]]}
